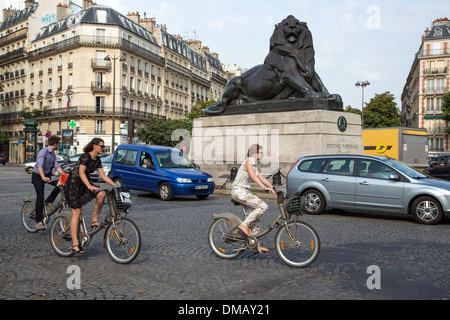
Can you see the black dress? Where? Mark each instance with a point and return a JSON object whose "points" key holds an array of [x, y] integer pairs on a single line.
{"points": [[76, 192]]}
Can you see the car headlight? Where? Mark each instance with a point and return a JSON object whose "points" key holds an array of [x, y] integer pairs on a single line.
{"points": [[210, 180], [185, 180]]}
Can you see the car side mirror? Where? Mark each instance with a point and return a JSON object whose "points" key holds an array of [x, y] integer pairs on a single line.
{"points": [[394, 177]]}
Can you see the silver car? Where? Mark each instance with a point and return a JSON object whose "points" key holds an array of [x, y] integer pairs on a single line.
{"points": [[369, 183]]}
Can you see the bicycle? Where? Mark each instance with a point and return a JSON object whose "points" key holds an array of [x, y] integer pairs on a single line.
{"points": [[122, 238], [296, 242], [28, 213]]}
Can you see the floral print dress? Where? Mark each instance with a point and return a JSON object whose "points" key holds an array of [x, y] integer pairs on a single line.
{"points": [[76, 192]]}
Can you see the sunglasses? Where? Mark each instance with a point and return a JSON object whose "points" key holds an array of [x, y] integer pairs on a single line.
{"points": [[101, 146]]}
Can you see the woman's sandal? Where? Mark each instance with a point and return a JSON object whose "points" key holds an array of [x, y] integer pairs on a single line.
{"points": [[80, 249]]}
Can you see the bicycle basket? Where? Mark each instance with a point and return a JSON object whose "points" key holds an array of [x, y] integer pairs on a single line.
{"points": [[122, 198], [295, 204]]}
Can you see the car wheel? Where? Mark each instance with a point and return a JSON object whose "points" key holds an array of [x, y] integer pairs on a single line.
{"points": [[165, 191], [427, 210], [315, 202], [30, 170]]}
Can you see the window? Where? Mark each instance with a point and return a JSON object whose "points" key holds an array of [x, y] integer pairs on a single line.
{"points": [[126, 157], [430, 104], [99, 127], [341, 166], [101, 16], [146, 161], [100, 104], [312, 165], [374, 169], [439, 144]]}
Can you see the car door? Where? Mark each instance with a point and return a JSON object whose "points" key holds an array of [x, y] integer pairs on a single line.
{"points": [[125, 168], [374, 189], [339, 180], [146, 172]]}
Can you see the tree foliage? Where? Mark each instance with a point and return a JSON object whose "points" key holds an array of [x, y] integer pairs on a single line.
{"points": [[381, 112], [446, 109], [352, 110]]}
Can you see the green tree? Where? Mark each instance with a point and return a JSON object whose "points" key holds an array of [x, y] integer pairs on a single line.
{"points": [[198, 110], [159, 132], [352, 110], [446, 109], [3, 135], [381, 112]]}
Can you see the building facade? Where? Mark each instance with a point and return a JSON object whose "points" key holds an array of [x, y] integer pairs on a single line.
{"points": [[427, 82], [85, 67]]}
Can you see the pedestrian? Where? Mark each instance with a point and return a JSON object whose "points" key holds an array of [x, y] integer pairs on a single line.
{"points": [[42, 172], [241, 192], [79, 190]]}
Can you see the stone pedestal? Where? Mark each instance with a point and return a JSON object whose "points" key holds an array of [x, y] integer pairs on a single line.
{"points": [[221, 142]]}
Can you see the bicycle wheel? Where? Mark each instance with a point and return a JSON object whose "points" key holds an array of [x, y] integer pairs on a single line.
{"points": [[28, 217], [302, 249], [123, 240], [60, 238], [223, 245]]}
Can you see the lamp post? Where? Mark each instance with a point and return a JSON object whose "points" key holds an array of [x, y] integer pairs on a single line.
{"points": [[362, 84], [114, 58]]}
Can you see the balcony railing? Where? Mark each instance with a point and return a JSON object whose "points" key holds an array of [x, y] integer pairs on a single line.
{"points": [[86, 39], [80, 110], [101, 87]]}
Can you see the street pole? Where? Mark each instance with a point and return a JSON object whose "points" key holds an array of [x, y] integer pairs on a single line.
{"points": [[108, 58], [362, 84]]}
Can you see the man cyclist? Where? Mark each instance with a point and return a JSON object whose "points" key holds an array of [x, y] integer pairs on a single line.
{"points": [[46, 159]]}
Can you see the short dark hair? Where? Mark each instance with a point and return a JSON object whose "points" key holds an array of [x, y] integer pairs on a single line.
{"points": [[53, 139]]}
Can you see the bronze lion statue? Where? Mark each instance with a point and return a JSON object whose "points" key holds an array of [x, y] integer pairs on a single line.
{"points": [[287, 73]]}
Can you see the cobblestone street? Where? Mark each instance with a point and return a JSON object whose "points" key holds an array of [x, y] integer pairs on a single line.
{"points": [[176, 262]]}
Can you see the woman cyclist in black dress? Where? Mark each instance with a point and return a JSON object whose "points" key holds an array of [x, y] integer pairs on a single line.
{"points": [[79, 190]]}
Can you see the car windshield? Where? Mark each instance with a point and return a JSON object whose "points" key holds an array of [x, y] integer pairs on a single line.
{"points": [[406, 170], [172, 159], [108, 159]]}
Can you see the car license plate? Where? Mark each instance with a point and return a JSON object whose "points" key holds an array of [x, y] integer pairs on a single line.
{"points": [[201, 187]]}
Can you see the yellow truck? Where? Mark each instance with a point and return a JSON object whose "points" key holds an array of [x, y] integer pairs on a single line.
{"points": [[408, 145]]}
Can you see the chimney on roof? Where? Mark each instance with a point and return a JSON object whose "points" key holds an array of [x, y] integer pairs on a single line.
{"points": [[63, 10], [148, 23], [134, 16], [87, 4], [29, 3]]}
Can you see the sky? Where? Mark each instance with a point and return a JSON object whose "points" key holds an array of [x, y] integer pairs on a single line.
{"points": [[373, 40]]}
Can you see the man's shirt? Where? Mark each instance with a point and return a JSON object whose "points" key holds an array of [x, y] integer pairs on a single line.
{"points": [[46, 159]]}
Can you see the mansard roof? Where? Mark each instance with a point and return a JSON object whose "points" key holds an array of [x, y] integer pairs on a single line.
{"points": [[97, 14], [439, 31], [18, 17]]}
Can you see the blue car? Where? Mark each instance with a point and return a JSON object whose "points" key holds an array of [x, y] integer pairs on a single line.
{"points": [[161, 170]]}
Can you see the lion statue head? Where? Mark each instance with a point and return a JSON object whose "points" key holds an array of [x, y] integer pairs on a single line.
{"points": [[288, 32]]}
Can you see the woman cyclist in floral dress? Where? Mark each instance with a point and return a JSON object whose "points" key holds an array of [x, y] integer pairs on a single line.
{"points": [[241, 192]]}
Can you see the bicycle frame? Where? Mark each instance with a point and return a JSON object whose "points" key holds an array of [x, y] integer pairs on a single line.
{"points": [[61, 206], [85, 235], [236, 221]]}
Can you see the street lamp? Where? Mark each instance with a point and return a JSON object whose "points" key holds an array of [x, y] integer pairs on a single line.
{"points": [[108, 58], [362, 84]]}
